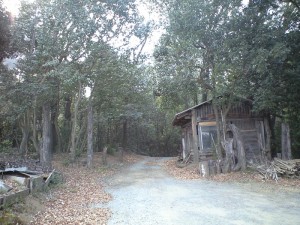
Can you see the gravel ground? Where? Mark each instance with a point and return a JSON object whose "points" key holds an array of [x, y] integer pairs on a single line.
{"points": [[145, 193]]}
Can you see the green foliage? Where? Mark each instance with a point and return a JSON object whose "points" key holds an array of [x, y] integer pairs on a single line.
{"points": [[5, 34], [193, 57], [229, 49], [9, 218], [210, 48], [64, 45], [5, 146], [56, 179], [66, 162]]}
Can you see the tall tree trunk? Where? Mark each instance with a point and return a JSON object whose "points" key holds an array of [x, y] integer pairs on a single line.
{"points": [[45, 155], [272, 122], [195, 98], [223, 122], [90, 125], [268, 138], [218, 125], [34, 132], [1, 130], [227, 143], [285, 141], [241, 164], [108, 132], [74, 125], [204, 96], [81, 136], [66, 130], [124, 138], [56, 137], [52, 132], [15, 143], [25, 134], [99, 139], [32, 45], [195, 137]]}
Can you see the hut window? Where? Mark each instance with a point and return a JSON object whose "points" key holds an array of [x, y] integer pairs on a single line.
{"points": [[208, 137]]}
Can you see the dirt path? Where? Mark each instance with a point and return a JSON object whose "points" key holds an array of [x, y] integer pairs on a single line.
{"points": [[145, 194]]}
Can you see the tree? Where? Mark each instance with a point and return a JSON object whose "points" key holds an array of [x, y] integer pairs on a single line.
{"points": [[5, 34], [197, 43], [62, 36], [235, 50], [271, 77], [4, 43]]}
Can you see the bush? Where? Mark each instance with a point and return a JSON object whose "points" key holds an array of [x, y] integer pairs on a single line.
{"points": [[5, 146]]}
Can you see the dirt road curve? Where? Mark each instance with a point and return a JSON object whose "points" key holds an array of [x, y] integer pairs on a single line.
{"points": [[144, 194]]}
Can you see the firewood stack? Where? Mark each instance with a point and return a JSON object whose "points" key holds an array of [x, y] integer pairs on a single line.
{"points": [[278, 168], [287, 168]]}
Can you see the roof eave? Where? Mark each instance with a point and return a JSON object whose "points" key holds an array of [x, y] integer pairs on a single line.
{"points": [[179, 115]]}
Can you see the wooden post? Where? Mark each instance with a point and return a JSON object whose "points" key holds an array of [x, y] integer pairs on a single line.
{"points": [[195, 137], [204, 169], [268, 138], [183, 148], [240, 147]]}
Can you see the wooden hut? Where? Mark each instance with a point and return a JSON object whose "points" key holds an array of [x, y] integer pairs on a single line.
{"points": [[199, 130]]}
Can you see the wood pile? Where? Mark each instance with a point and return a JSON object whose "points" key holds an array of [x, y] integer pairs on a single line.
{"points": [[287, 168], [279, 168]]}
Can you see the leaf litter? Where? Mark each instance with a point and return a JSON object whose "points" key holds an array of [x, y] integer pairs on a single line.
{"points": [[73, 202], [190, 172]]}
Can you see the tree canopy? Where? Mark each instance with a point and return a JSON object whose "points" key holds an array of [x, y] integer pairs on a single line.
{"points": [[81, 82], [232, 48]]}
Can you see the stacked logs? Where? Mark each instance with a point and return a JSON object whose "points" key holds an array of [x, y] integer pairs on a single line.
{"points": [[279, 168], [287, 168]]}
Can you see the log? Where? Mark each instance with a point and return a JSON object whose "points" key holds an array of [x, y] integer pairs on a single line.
{"points": [[279, 167]]}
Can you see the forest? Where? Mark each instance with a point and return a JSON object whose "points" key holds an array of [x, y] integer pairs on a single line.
{"points": [[81, 78]]}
